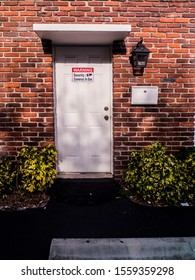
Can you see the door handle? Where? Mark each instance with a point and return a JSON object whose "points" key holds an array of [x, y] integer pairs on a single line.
{"points": [[106, 118], [106, 108]]}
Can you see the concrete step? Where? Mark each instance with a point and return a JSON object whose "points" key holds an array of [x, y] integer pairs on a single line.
{"points": [[85, 190], [181, 248]]}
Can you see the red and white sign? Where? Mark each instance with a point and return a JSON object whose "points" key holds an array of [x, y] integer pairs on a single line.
{"points": [[82, 74], [82, 69]]}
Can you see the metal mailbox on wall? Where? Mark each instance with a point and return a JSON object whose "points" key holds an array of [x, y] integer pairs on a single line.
{"points": [[142, 95]]}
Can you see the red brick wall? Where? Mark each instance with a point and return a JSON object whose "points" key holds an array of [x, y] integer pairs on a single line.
{"points": [[26, 83]]}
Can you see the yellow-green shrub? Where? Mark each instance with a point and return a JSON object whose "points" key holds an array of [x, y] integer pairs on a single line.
{"points": [[159, 177], [36, 168], [7, 176]]}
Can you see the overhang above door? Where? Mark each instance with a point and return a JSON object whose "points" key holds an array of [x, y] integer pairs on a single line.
{"points": [[82, 34]]}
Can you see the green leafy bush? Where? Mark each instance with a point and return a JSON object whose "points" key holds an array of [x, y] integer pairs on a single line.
{"points": [[185, 152], [189, 165], [7, 176], [159, 177], [36, 169]]}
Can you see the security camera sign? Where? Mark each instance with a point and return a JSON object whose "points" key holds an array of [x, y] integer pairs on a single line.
{"points": [[82, 74]]}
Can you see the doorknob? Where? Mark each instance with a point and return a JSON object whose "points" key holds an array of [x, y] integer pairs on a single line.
{"points": [[106, 117], [106, 108]]}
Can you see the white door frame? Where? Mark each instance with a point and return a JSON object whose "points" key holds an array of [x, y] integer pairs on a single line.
{"points": [[95, 174]]}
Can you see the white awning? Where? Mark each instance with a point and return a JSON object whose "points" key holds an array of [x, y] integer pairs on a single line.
{"points": [[89, 34]]}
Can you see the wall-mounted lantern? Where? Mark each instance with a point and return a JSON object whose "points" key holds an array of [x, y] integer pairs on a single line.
{"points": [[139, 58]]}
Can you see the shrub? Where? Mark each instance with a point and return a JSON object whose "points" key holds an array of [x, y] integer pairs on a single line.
{"points": [[36, 169], [189, 165], [159, 177], [7, 176], [185, 152]]}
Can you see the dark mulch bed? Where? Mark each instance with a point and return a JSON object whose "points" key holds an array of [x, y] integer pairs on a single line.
{"points": [[16, 201]]}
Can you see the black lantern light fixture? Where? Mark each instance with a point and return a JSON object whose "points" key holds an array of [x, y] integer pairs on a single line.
{"points": [[139, 58]]}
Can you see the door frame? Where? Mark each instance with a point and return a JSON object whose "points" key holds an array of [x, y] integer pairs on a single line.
{"points": [[85, 174]]}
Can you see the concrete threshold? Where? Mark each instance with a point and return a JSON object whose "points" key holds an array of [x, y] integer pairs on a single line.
{"points": [[98, 175], [180, 248]]}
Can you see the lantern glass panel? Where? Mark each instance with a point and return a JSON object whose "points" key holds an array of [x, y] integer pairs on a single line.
{"points": [[142, 60]]}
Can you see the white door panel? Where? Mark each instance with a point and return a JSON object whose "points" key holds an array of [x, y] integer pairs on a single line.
{"points": [[84, 137]]}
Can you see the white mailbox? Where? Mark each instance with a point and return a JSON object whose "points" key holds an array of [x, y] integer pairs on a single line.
{"points": [[141, 95]]}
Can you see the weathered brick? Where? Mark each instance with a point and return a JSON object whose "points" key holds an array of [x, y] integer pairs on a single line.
{"points": [[26, 72]]}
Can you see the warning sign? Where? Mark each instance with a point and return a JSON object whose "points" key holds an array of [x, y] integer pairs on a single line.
{"points": [[83, 74]]}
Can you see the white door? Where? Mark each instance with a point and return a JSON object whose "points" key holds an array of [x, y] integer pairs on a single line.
{"points": [[83, 109]]}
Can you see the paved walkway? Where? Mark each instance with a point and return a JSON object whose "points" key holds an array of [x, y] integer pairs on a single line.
{"points": [[28, 234]]}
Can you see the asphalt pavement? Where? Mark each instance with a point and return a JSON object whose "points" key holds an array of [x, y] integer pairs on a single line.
{"points": [[27, 234]]}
